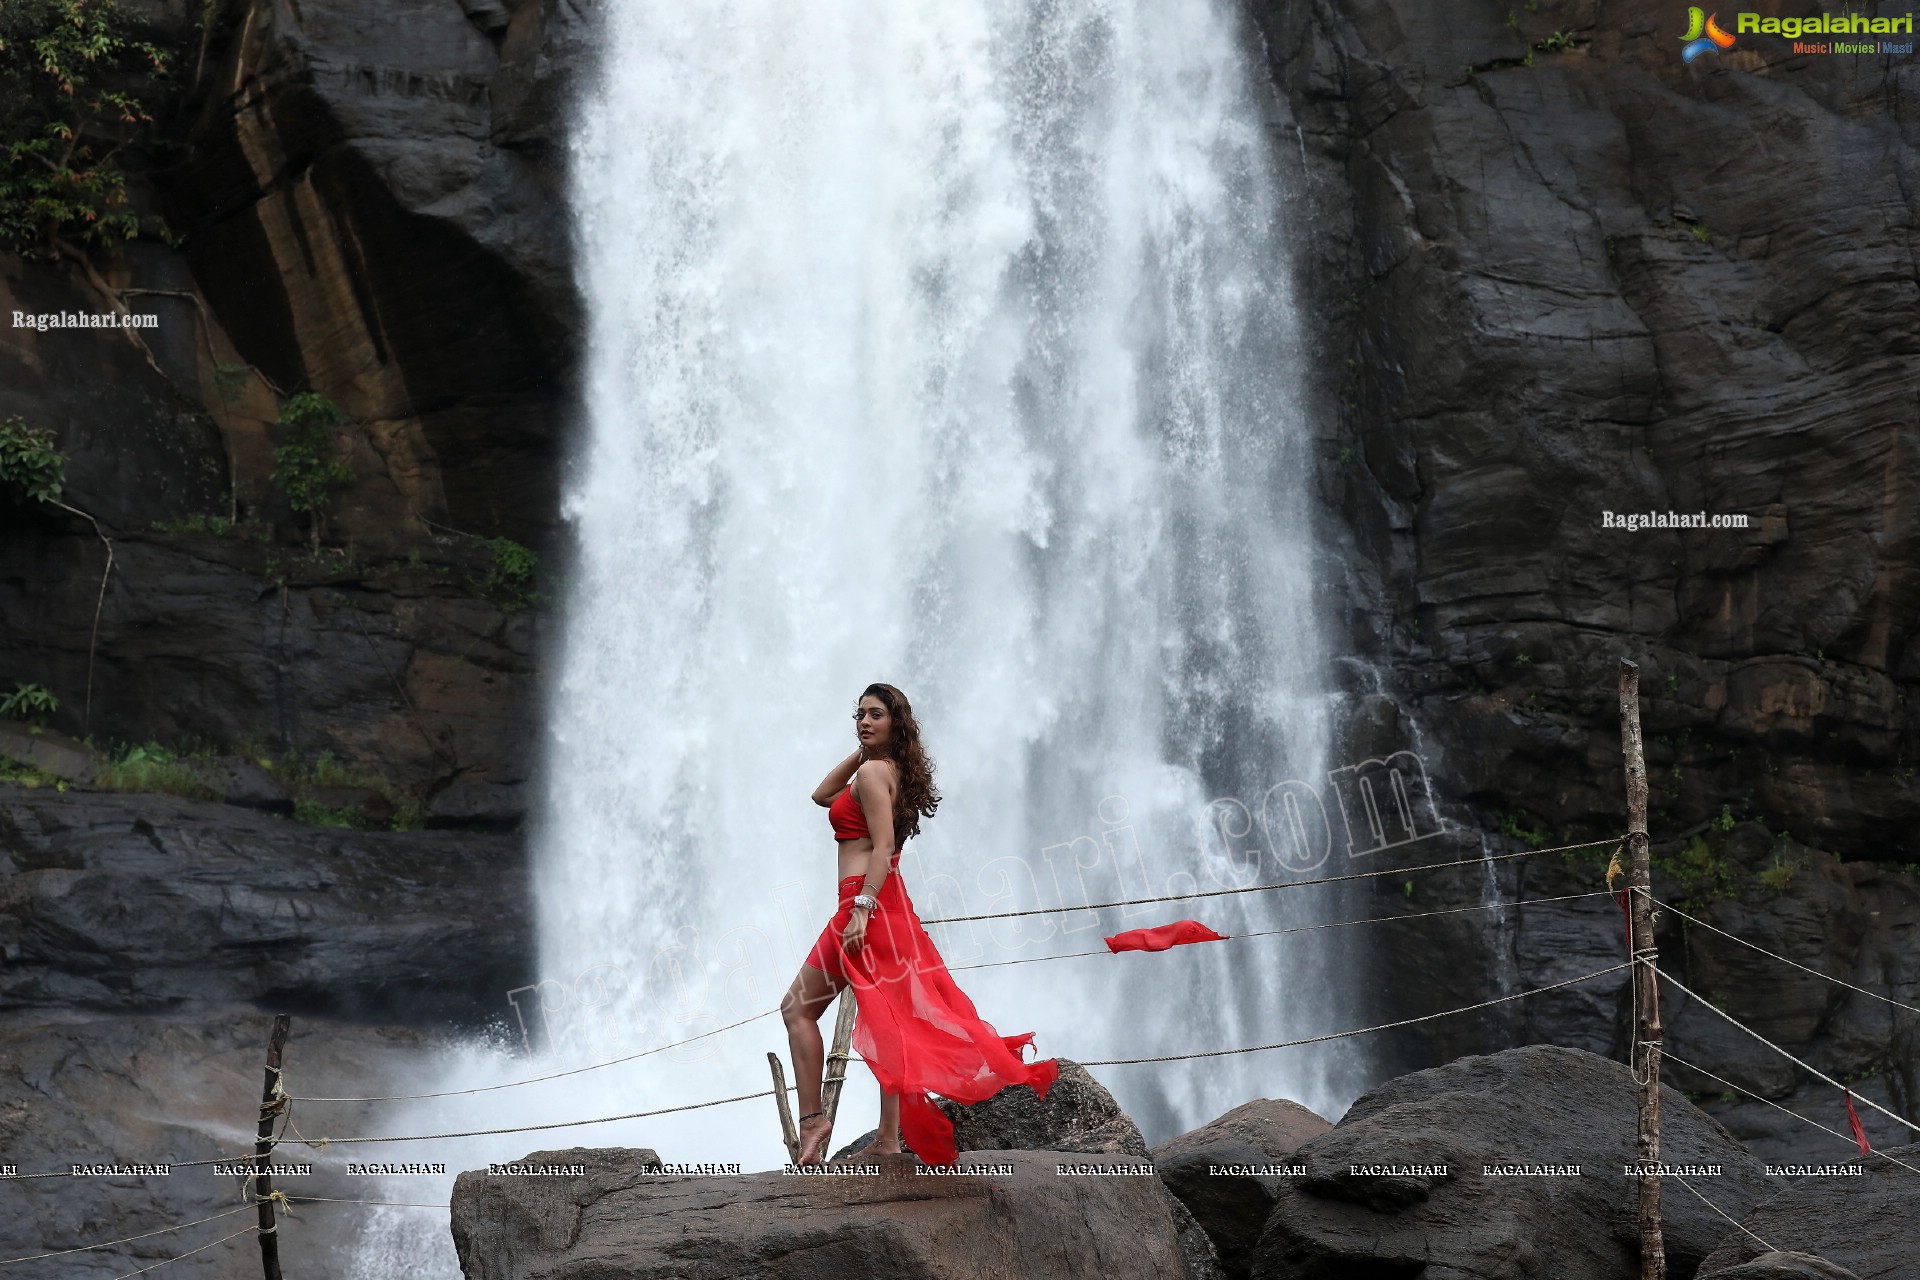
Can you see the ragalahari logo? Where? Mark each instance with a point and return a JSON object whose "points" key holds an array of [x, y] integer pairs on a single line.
{"points": [[1704, 35]]}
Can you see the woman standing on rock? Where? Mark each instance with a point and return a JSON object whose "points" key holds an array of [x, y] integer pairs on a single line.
{"points": [[915, 1029]]}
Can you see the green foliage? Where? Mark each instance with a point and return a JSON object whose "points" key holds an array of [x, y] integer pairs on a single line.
{"points": [[509, 581], [302, 777], [148, 766], [230, 381], [30, 702], [1511, 828], [61, 129], [318, 815], [1778, 876], [1522, 659], [1558, 42], [1725, 821], [1673, 684], [29, 460], [1699, 232], [195, 524], [307, 467], [21, 774], [1698, 871]]}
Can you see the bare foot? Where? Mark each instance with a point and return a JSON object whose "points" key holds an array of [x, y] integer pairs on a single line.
{"points": [[814, 1132]]}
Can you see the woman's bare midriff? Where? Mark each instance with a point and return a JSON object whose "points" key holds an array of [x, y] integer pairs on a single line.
{"points": [[855, 856]]}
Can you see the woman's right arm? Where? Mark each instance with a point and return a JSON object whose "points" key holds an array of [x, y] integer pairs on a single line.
{"points": [[836, 780]]}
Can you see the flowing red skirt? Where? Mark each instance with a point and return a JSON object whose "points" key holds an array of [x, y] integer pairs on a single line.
{"points": [[915, 1029]]}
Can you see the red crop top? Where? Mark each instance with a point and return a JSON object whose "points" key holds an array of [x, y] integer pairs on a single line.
{"points": [[849, 823]]}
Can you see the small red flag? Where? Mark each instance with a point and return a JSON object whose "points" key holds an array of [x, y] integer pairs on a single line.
{"points": [[1164, 936], [1853, 1123]]}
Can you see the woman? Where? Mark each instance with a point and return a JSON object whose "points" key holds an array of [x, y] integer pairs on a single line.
{"points": [[915, 1029]]}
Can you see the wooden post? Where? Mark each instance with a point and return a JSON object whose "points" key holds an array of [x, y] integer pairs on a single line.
{"points": [[788, 1133], [271, 1104], [1645, 1057], [837, 1056]]}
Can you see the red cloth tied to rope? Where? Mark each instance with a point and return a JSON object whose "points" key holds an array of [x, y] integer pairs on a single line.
{"points": [[1853, 1123], [919, 1034], [1163, 936]]}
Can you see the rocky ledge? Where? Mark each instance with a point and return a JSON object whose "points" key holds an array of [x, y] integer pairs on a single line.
{"points": [[1506, 1166]]}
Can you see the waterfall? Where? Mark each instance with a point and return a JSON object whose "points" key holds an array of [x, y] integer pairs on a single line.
{"points": [[947, 345]]}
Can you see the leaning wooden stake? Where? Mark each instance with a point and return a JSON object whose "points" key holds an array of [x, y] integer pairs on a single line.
{"points": [[788, 1133], [272, 1102], [837, 1058], [1645, 1057]]}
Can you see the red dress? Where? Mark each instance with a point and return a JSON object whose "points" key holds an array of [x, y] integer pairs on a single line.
{"points": [[915, 1029]]}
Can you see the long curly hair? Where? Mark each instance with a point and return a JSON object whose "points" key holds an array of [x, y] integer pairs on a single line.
{"points": [[916, 797]]}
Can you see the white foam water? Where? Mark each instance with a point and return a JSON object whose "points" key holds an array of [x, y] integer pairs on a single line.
{"points": [[949, 345]]}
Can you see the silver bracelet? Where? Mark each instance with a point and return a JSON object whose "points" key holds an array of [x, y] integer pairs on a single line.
{"points": [[866, 900]]}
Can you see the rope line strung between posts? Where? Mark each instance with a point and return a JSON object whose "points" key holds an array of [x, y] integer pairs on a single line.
{"points": [[319, 1143], [397, 1204], [1303, 928], [1846, 1138], [1265, 888], [108, 1244], [188, 1254], [557, 1075], [1717, 1209], [1109, 1062], [1898, 1004], [1783, 1053], [1357, 1031]]}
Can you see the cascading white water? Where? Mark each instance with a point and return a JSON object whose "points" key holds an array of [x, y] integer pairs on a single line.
{"points": [[949, 345]]}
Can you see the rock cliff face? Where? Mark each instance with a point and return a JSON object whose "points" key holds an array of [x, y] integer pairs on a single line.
{"points": [[1557, 272]]}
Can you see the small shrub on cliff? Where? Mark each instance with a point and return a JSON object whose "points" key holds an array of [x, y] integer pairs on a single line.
{"points": [[509, 583], [63, 124], [148, 766], [307, 467], [29, 461], [33, 703]]}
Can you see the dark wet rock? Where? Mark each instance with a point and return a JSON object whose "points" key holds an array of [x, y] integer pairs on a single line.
{"points": [[1401, 1181], [1213, 1170], [363, 804], [1078, 1114], [1785, 1266], [1866, 1224], [244, 783], [139, 902], [47, 751], [617, 1219], [79, 1088], [398, 669]]}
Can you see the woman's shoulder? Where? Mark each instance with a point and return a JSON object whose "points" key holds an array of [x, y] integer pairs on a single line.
{"points": [[880, 769]]}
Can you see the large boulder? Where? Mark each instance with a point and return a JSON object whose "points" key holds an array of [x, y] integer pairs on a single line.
{"points": [[1005, 1216], [1786, 1265], [1867, 1222], [1225, 1174], [1466, 1170], [1078, 1114]]}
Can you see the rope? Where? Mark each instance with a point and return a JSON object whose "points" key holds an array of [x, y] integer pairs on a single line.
{"points": [[1782, 959], [1722, 1212], [513, 1084], [1846, 1138], [533, 1128], [1783, 1053], [397, 1204], [1301, 928], [1358, 1031], [1263, 888], [108, 1244], [188, 1254]]}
